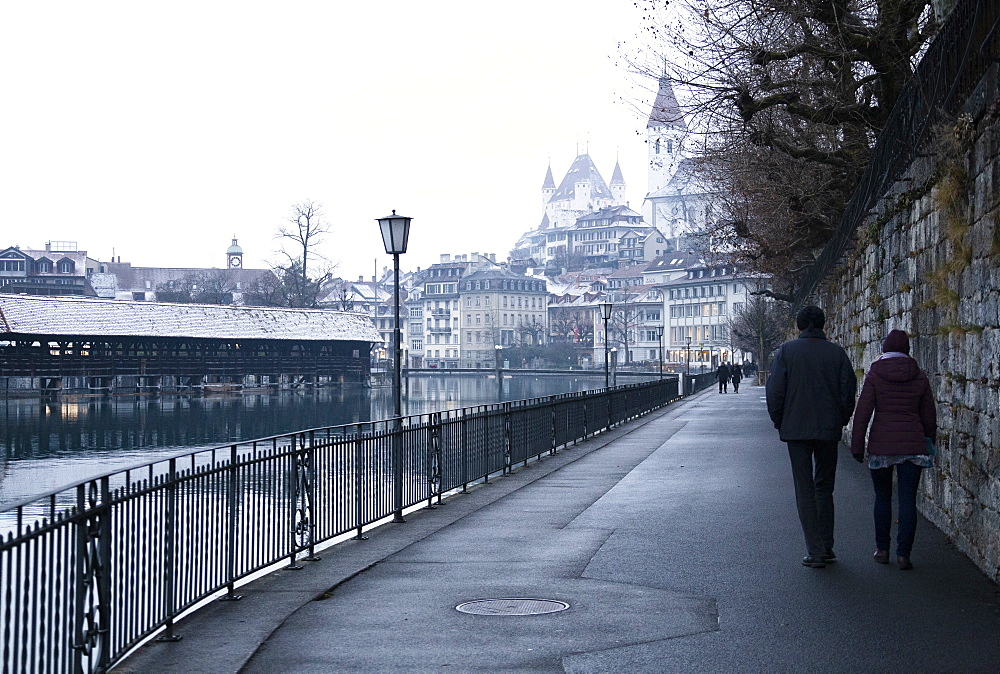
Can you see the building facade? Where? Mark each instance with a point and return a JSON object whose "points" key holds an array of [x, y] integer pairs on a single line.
{"points": [[59, 269], [500, 308]]}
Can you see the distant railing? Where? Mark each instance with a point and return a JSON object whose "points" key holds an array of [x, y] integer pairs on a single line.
{"points": [[90, 572], [946, 77]]}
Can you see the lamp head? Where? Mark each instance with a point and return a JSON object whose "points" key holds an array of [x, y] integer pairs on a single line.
{"points": [[395, 232], [606, 308]]}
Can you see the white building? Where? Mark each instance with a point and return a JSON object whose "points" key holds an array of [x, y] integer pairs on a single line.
{"points": [[698, 306]]}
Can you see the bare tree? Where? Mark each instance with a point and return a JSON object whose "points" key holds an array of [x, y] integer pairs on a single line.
{"points": [[759, 327], [787, 97], [306, 230], [624, 320]]}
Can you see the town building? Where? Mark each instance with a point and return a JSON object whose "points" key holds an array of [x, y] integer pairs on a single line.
{"points": [[432, 314], [233, 284], [59, 269], [500, 308], [698, 306]]}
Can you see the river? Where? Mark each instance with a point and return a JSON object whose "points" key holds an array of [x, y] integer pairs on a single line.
{"points": [[50, 443]]}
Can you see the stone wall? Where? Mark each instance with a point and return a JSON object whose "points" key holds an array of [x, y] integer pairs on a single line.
{"points": [[927, 260]]}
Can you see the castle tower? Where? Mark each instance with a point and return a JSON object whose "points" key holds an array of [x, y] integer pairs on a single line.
{"points": [[665, 133]]}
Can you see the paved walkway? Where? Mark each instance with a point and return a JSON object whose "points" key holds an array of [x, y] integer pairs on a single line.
{"points": [[675, 542]]}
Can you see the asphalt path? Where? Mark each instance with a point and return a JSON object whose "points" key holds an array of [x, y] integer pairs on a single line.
{"points": [[674, 542]]}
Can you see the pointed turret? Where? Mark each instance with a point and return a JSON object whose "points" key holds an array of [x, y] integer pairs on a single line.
{"points": [[617, 185], [548, 186], [549, 182]]}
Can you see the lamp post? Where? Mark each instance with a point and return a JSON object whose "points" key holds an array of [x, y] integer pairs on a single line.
{"points": [[659, 338], [687, 369], [499, 369], [606, 308], [395, 235]]}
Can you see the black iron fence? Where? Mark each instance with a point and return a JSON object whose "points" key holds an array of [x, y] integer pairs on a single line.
{"points": [[89, 572], [961, 53]]}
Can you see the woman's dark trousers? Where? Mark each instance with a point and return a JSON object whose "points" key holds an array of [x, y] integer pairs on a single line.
{"points": [[907, 482]]}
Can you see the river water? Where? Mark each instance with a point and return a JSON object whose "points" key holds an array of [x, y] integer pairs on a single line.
{"points": [[48, 444]]}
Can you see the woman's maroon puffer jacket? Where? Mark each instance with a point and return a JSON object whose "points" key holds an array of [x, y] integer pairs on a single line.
{"points": [[898, 392]]}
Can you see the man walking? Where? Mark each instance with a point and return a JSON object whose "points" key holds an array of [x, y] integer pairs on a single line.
{"points": [[723, 375], [737, 371], [810, 398]]}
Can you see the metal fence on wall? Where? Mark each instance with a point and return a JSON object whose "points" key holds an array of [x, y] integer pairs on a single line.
{"points": [[962, 51], [89, 572]]}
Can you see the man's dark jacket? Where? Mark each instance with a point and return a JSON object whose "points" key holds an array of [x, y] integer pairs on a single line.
{"points": [[722, 374], [811, 388]]}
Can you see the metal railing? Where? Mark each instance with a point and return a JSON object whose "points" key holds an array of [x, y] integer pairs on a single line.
{"points": [[91, 571], [961, 53]]}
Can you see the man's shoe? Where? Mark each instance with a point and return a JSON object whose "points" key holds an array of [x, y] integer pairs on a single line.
{"points": [[881, 556], [813, 562], [904, 563], [829, 558]]}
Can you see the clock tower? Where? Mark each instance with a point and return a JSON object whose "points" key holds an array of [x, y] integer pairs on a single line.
{"points": [[234, 256]]}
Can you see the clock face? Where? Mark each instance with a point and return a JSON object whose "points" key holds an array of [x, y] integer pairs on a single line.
{"points": [[235, 262]]}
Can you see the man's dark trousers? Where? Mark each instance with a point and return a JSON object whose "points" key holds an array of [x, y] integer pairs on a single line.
{"points": [[814, 490]]}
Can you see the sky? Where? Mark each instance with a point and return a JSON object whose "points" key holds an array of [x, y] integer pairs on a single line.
{"points": [[156, 132]]}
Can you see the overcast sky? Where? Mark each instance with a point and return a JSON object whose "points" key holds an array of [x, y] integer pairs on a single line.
{"points": [[158, 131]]}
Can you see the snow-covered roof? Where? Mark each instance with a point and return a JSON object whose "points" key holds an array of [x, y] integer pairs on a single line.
{"points": [[71, 316]]}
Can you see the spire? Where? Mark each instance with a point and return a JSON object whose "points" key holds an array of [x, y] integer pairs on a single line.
{"points": [[549, 182], [617, 178], [666, 111]]}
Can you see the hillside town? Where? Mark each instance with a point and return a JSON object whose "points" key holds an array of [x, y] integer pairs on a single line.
{"points": [[537, 305]]}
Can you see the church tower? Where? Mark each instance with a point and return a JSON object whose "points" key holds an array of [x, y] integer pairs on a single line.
{"points": [[665, 133], [234, 256]]}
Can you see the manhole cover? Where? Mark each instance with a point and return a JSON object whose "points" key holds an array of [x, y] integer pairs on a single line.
{"points": [[512, 606]]}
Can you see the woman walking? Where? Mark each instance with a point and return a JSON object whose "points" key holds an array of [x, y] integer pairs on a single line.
{"points": [[902, 437]]}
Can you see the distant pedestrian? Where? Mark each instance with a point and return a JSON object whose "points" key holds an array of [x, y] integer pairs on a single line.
{"points": [[723, 374], [737, 374], [902, 436], [810, 398]]}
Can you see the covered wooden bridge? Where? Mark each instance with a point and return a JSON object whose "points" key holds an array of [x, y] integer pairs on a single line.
{"points": [[52, 344]]}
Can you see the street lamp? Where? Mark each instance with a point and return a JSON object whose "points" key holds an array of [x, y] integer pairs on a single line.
{"points": [[659, 338], [606, 308], [499, 361], [687, 370], [395, 235]]}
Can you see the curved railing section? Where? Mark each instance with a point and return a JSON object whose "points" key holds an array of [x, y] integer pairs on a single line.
{"points": [[91, 571]]}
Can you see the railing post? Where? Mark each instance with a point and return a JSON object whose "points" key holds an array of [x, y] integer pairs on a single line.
{"points": [[103, 574], [434, 460], [310, 493], [169, 551], [552, 416], [507, 440], [231, 499], [465, 453]]}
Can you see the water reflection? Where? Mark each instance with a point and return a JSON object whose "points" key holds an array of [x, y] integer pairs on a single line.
{"points": [[47, 444]]}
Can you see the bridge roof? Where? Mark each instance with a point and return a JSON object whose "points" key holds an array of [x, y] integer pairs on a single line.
{"points": [[85, 317]]}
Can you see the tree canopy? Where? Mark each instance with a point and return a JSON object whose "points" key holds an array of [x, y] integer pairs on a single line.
{"points": [[785, 98]]}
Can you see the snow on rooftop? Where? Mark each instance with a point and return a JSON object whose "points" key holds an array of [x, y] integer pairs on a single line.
{"points": [[38, 315]]}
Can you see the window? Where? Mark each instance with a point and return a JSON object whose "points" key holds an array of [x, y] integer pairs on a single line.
{"points": [[417, 345], [65, 266], [11, 265]]}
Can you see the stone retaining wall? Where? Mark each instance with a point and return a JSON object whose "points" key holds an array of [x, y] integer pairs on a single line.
{"points": [[927, 260]]}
